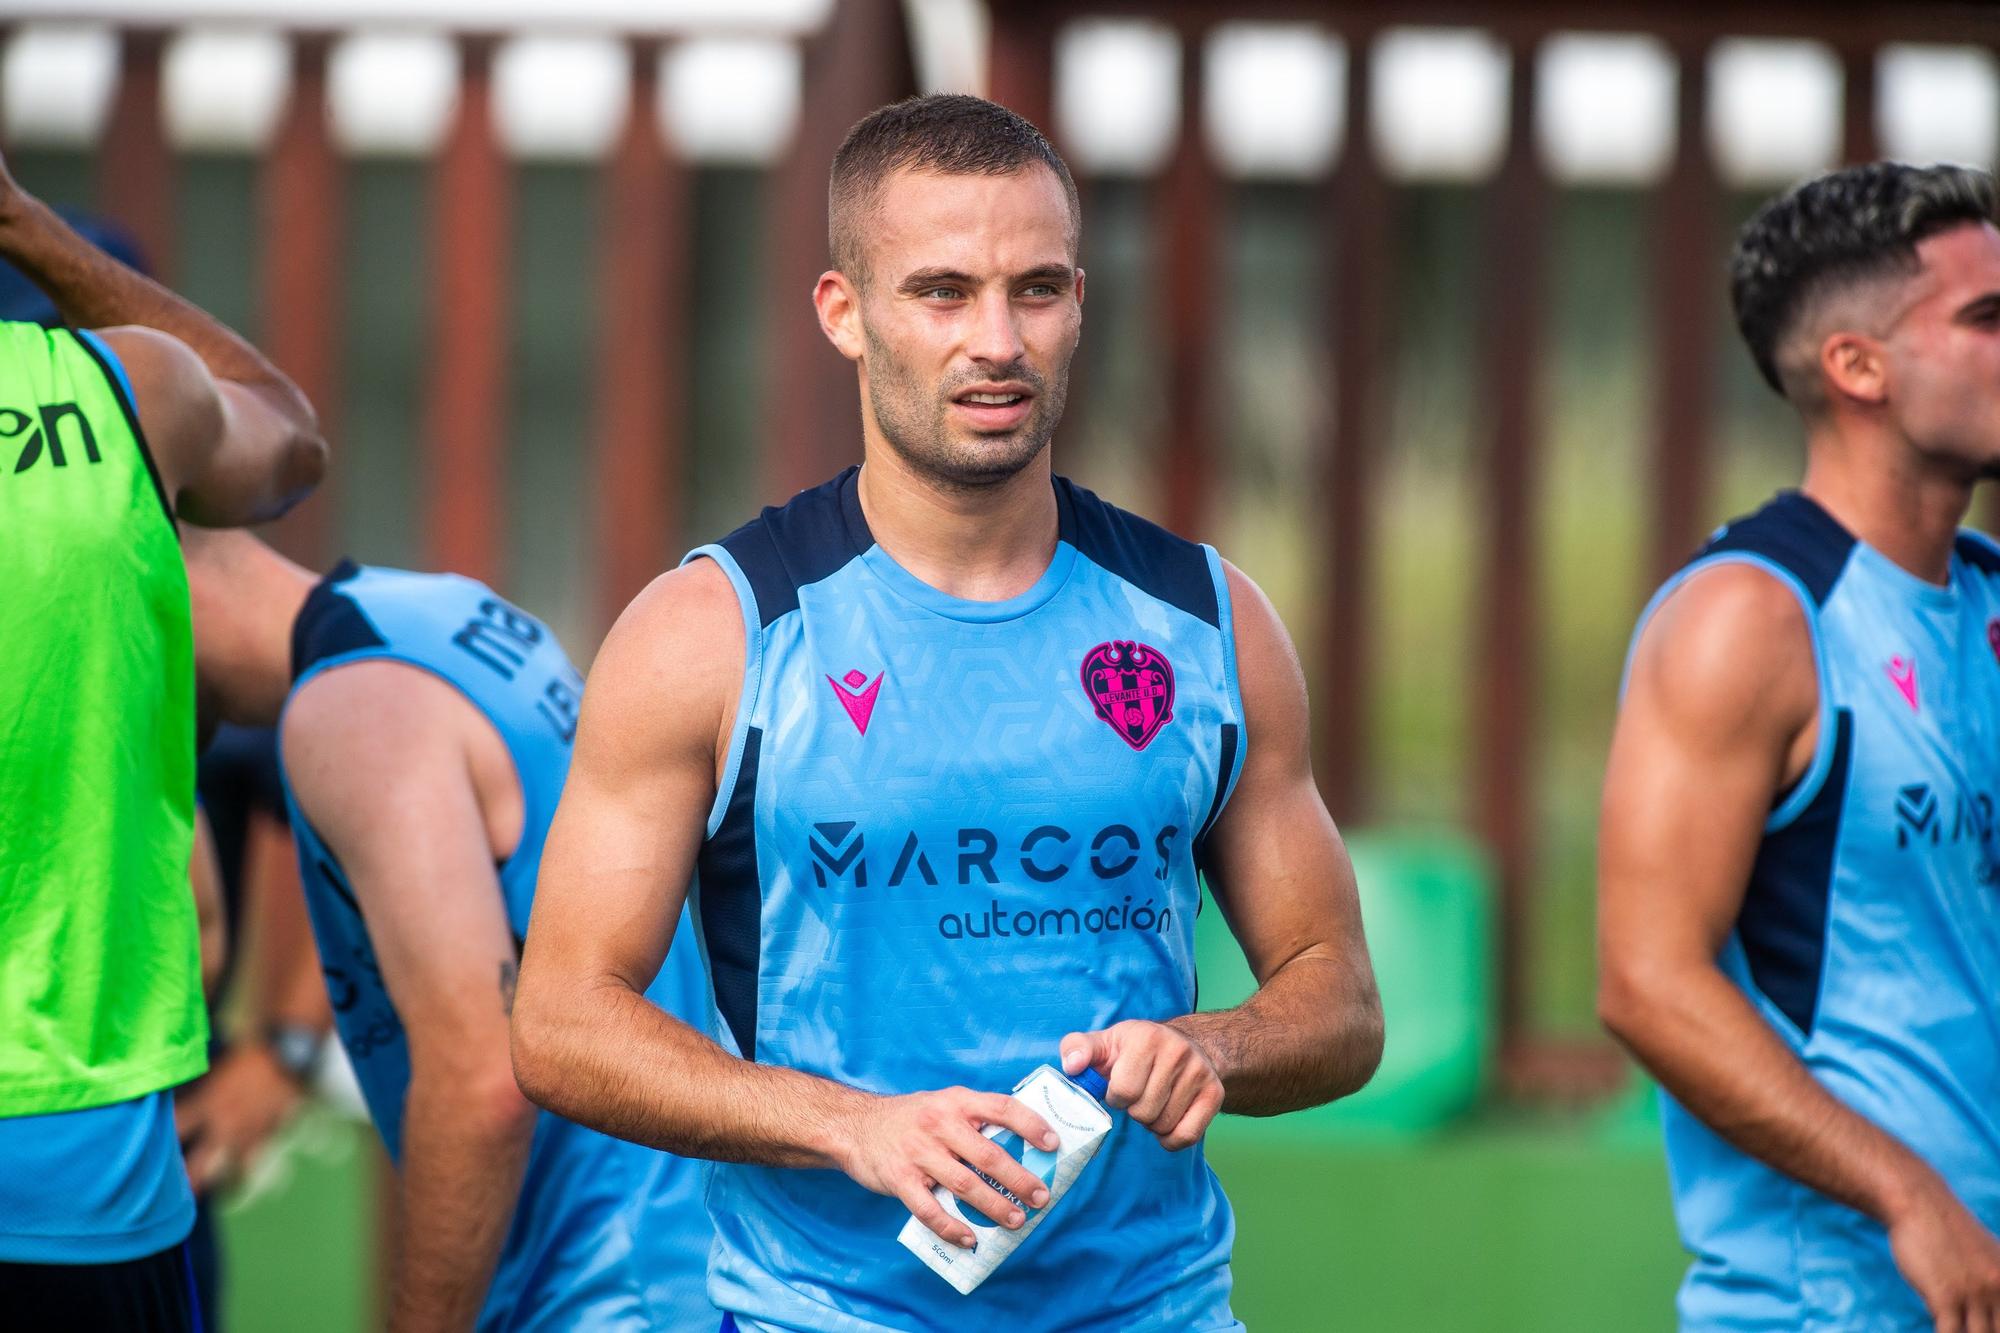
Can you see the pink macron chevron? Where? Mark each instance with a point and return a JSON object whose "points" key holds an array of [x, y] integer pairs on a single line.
{"points": [[859, 703], [1903, 675]]}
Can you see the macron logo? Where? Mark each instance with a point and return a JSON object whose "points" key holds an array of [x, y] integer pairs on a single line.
{"points": [[1903, 675], [859, 703]]}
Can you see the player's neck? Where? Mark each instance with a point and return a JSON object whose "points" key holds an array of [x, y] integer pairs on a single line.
{"points": [[983, 545], [256, 664], [1887, 496]]}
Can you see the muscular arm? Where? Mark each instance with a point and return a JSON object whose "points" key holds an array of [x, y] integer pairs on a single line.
{"points": [[235, 440], [1718, 717], [378, 761], [1313, 1029], [615, 870]]}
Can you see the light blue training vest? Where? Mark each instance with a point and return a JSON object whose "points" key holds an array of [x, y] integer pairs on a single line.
{"points": [[1869, 936]]}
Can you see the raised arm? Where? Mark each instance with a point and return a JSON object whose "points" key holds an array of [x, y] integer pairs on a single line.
{"points": [[235, 441], [1719, 717], [395, 797], [1313, 1029], [657, 712]]}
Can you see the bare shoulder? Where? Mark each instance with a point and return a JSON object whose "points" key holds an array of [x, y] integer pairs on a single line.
{"points": [[668, 675], [1730, 647], [359, 738], [1267, 662]]}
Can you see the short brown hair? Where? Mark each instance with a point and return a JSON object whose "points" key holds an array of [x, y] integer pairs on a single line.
{"points": [[947, 133]]}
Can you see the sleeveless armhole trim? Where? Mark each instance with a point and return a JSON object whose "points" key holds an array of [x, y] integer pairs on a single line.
{"points": [[753, 671], [1794, 802], [333, 631], [1978, 550], [1235, 736], [121, 389]]}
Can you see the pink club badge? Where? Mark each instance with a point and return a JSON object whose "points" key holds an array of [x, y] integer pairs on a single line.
{"points": [[1993, 637], [1131, 685]]}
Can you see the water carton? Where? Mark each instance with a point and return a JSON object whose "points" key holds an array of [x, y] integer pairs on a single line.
{"points": [[1074, 1110]]}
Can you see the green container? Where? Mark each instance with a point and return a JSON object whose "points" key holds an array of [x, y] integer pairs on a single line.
{"points": [[1427, 903]]}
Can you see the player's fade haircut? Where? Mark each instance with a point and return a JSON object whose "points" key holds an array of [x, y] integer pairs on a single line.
{"points": [[946, 133], [1835, 232]]}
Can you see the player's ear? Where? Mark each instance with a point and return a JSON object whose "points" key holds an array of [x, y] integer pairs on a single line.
{"points": [[839, 305], [1856, 366]]}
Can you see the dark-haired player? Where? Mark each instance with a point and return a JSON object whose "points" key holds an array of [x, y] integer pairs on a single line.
{"points": [[106, 439], [425, 734], [1800, 880], [939, 749]]}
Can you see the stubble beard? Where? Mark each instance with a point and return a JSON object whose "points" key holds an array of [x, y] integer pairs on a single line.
{"points": [[913, 418]]}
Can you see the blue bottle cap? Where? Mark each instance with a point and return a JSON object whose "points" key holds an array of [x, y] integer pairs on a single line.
{"points": [[1093, 1083]]}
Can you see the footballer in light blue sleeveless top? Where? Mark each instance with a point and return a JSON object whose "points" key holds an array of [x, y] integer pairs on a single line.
{"points": [[1869, 937], [607, 1234], [951, 832]]}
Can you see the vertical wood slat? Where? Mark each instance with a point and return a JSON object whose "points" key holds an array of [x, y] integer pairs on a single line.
{"points": [[302, 206], [1188, 199], [1858, 142], [135, 169], [1503, 684], [1021, 66], [857, 62], [643, 301], [1687, 287], [1362, 263], [465, 420]]}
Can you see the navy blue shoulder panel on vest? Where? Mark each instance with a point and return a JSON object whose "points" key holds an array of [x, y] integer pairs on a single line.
{"points": [[809, 538], [1144, 554], [1783, 920], [1978, 551], [330, 624], [1794, 533], [731, 909]]}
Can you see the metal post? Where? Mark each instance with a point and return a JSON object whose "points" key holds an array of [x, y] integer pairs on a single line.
{"points": [[1021, 64], [642, 347], [1857, 119], [1687, 277], [1362, 268], [858, 62], [302, 204], [1503, 686], [1189, 200], [465, 421], [135, 181]]}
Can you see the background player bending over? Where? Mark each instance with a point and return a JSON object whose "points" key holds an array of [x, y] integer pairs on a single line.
{"points": [[105, 439], [938, 749], [426, 731], [1800, 879]]}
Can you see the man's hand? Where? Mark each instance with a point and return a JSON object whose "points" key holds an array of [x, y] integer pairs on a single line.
{"points": [[1950, 1260], [900, 1146], [227, 1119], [1157, 1074]]}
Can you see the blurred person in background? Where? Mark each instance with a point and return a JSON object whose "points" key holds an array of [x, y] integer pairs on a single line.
{"points": [[260, 1073], [936, 750], [425, 729], [1799, 928], [108, 437]]}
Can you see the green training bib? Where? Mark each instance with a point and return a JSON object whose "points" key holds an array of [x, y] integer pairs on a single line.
{"points": [[100, 970]]}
